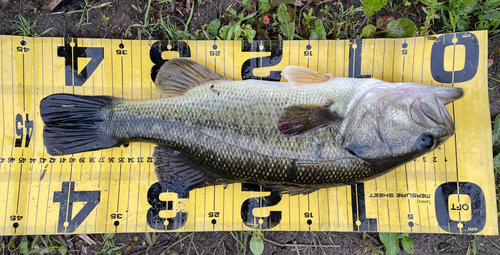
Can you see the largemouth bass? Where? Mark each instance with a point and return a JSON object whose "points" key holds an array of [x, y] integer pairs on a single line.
{"points": [[312, 132]]}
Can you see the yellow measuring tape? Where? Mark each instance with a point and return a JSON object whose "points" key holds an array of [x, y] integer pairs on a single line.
{"points": [[450, 190]]}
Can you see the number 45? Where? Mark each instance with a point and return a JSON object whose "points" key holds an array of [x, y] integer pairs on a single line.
{"points": [[21, 131]]}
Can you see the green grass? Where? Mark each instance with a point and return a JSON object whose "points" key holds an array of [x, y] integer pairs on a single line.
{"points": [[25, 27], [84, 12]]}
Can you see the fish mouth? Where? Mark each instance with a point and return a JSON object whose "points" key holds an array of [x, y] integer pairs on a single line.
{"points": [[429, 110]]}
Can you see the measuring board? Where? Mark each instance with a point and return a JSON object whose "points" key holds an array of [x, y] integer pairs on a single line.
{"points": [[450, 190]]}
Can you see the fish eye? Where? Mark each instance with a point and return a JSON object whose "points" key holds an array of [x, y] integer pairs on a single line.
{"points": [[426, 141]]}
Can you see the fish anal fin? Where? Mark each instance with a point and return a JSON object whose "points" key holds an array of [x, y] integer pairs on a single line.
{"points": [[300, 76], [301, 119], [175, 168], [179, 75]]}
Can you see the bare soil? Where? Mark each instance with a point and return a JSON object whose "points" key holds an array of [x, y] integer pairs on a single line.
{"points": [[121, 15]]}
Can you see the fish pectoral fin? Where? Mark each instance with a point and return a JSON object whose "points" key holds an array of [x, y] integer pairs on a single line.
{"points": [[291, 190], [179, 75], [302, 119], [175, 169], [299, 76]]}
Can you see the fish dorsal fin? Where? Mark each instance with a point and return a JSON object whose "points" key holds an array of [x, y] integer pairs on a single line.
{"points": [[299, 76], [305, 118], [179, 75], [175, 169]]}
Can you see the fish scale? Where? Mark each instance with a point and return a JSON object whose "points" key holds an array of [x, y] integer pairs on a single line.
{"points": [[231, 148], [313, 132]]}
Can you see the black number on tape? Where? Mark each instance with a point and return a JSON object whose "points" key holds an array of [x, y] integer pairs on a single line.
{"points": [[276, 49], [116, 216], [24, 128], [67, 196], [471, 57], [359, 220], [16, 217], [71, 56], [22, 49], [213, 214], [121, 52], [250, 204], [477, 207], [157, 205], [160, 46]]}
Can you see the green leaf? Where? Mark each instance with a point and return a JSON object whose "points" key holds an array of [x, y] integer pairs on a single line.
{"points": [[237, 31], [23, 247], [213, 28], [256, 245], [407, 242], [318, 30], [148, 239], [496, 129], [245, 2], [401, 28], [372, 6], [283, 14], [62, 250], [249, 32], [474, 246], [46, 31], [368, 31], [391, 242], [290, 31], [35, 241], [264, 5], [462, 24], [494, 15], [496, 162], [12, 245], [223, 32]]}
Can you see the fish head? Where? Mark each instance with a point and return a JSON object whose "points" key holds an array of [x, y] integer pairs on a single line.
{"points": [[399, 122]]}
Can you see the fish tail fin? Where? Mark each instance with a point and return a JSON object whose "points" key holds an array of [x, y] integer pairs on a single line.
{"points": [[75, 123]]}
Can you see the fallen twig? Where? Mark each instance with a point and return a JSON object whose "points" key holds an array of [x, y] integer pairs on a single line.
{"points": [[295, 242], [357, 30], [224, 247], [141, 250], [87, 239], [327, 1], [492, 242], [221, 242], [229, 7], [194, 245], [375, 240], [195, 249], [208, 38], [176, 242], [296, 248], [302, 245], [323, 250]]}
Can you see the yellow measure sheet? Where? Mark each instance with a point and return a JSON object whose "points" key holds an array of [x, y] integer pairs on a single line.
{"points": [[450, 190]]}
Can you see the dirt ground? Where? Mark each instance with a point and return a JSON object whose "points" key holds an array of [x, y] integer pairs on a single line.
{"points": [[120, 15]]}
